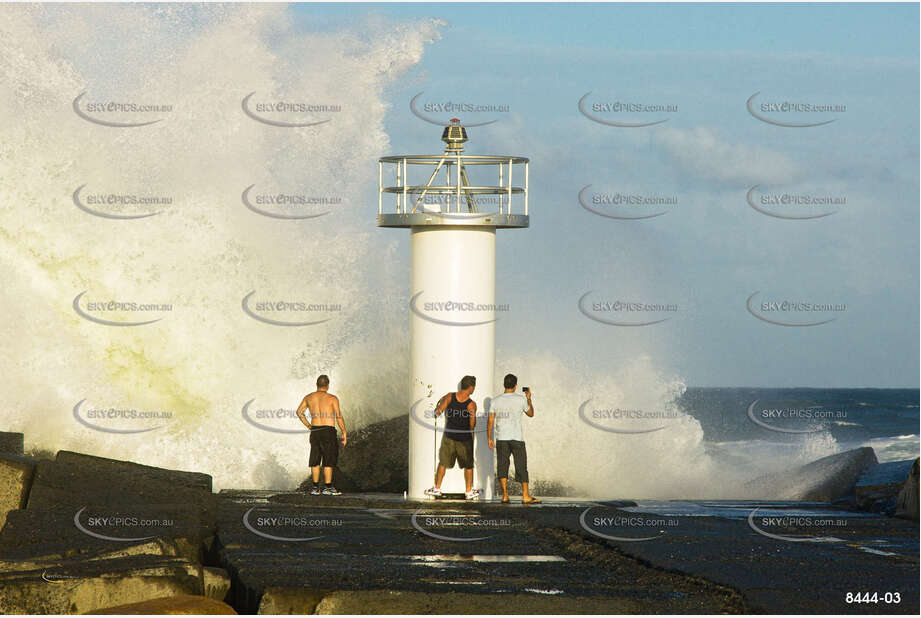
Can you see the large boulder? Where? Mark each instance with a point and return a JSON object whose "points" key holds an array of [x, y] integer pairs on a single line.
{"points": [[74, 481], [93, 532], [401, 602], [69, 532], [117, 467], [11, 443], [81, 587], [823, 480], [906, 505], [187, 604], [878, 487], [16, 474], [21, 559], [290, 601]]}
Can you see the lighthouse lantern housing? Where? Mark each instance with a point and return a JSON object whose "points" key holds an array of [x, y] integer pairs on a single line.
{"points": [[437, 189], [452, 203]]}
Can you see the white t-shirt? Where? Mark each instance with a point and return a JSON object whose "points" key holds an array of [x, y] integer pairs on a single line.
{"points": [[508, 408]]}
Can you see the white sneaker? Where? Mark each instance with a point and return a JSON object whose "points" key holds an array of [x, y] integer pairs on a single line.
{"points": [[433, 491], [472, 494]]}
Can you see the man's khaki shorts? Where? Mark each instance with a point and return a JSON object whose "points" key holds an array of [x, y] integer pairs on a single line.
{"points": [[452, 450]]}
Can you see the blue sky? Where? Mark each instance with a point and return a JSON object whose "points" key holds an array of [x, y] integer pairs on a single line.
{"points": [[712, 251], [871, 29]]}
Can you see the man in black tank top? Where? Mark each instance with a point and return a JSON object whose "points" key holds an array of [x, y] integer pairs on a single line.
{"points": [[457, 442]]}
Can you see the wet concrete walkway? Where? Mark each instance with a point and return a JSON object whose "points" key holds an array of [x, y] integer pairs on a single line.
{"points": [[378, 553]]}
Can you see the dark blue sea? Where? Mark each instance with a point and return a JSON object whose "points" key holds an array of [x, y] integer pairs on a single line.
{"points": [[747, 421]]}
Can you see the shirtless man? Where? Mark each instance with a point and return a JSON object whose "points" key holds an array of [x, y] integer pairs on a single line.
{"points": [[324, 445]]}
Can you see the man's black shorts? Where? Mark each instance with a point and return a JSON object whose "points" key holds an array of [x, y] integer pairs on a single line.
{"points": [[324, 446]]}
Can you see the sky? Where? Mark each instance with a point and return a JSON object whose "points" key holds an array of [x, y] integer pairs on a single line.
{"points": [[711, 251], [849, 29]]}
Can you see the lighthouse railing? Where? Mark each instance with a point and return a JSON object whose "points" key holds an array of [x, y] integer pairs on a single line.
{"points": [[510, 198]]}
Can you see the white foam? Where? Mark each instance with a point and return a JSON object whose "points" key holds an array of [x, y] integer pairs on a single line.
{"points": [[205, 359]]}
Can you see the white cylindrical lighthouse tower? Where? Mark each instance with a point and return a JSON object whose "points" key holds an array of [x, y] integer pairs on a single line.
{"points": [[453, 311]]}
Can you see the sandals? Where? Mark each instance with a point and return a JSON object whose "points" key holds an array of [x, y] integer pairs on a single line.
{"points": [[531, 501]]}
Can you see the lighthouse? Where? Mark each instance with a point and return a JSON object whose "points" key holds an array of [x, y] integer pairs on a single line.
{"points": [[452, 203]]}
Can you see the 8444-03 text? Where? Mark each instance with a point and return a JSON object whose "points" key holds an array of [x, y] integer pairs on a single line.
{"points": [[873, 597]]}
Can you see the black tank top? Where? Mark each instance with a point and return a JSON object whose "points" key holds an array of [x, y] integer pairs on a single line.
{"points": [[457, 420]]}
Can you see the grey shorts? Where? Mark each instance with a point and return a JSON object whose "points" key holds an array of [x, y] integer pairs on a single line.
{"points": [[516, 449]]}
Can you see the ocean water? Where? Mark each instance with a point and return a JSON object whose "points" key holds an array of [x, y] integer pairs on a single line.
{"points": [[885, 419], [705, 443], [189, 376]]}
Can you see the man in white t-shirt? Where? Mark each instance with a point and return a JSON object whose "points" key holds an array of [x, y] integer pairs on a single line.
{"points": [[504, 424]]}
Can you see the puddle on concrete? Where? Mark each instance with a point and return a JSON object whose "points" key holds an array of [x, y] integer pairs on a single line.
{"points": [[878, 552], [740, 509], [442, 558], [458, 583]]}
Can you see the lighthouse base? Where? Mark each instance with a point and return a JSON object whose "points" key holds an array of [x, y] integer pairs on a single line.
{"points": [[452, 330]]}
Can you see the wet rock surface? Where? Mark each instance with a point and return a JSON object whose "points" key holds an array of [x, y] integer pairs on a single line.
{"points": [[822, 480], [297, 555], [369, 551], [77, 480], [69, 532], [816, 557], [188, 604], [877, 489], [16, 474], [906, 505], [83, 588]]}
